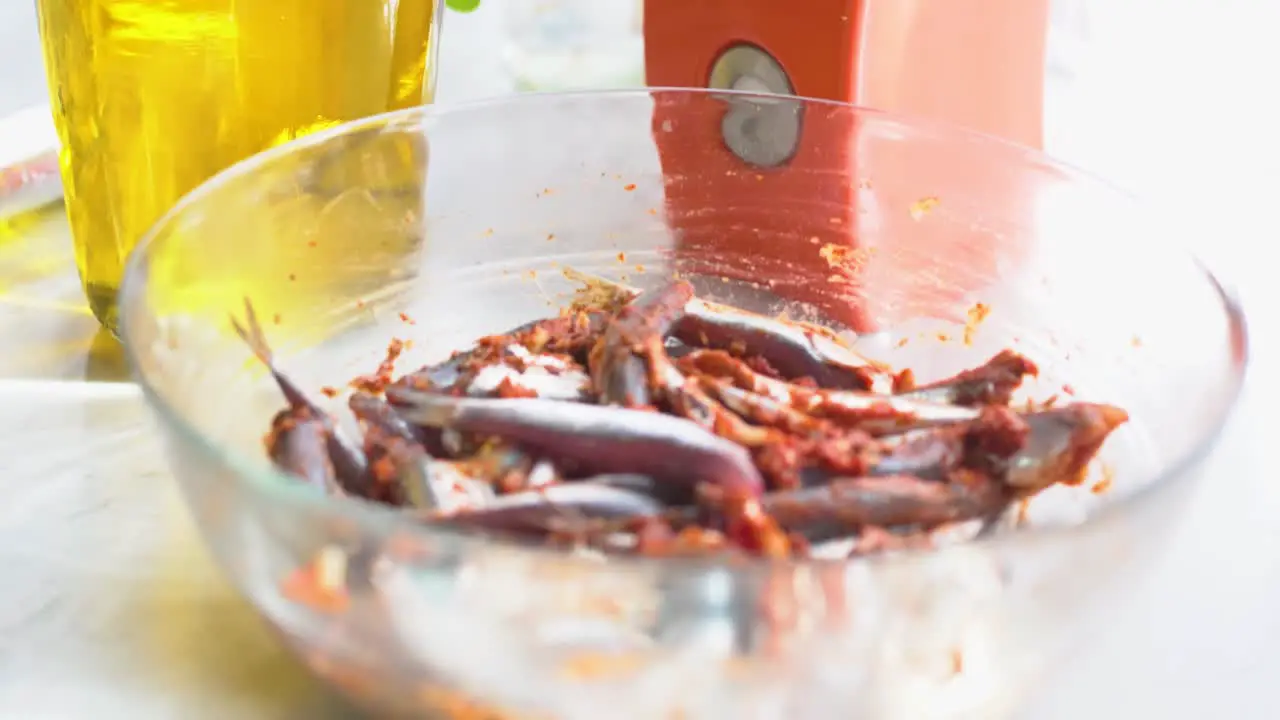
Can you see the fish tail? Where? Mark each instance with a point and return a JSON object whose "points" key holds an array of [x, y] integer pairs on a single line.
{"points": [[252, 335], [427, 409]]}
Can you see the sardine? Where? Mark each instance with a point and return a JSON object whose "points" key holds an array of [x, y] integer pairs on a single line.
{"points": [[1052, 446], [350, 465], [555, 508], [873, 413], [593, 438], [795, 349], [298, 444], [618, 362], [843, 506], [991, 383]]}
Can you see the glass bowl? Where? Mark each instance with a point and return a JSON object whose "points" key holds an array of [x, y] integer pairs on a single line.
{"points": [[445, 223]]}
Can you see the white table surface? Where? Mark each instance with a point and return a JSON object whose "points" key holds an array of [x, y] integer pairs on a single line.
{"points": [[111, 609]]}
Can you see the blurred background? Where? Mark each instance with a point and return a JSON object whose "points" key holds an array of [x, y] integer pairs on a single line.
{"points": [[1172, 99], [23, 83]]}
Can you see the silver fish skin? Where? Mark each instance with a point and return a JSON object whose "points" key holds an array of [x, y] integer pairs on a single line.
{"points": [[598, 438]]}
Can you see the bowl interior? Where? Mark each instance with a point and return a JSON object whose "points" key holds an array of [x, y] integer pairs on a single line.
{"points": [[439, 226]]}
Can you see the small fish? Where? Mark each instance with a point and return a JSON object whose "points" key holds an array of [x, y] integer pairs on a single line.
{"points": [[873, 413], [688, 399], [556, 508], [926, 455], [431, 484], [350, 465], [1060, 444], [414, 471], [795, 349], [298, 444], [763, 410], [1031, 452], [441, 376], [991, 383], [618, 363], [594, 438], [572, 334], [372, 410], [670, 495], [881, 414], [845, 505]]}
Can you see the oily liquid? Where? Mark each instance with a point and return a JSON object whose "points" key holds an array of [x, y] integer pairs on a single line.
{"points": [[152, 97]]}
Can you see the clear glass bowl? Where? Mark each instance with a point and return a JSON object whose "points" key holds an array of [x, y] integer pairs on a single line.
{"points": [[446, 223]]}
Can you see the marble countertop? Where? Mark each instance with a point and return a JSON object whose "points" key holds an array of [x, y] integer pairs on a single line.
{"points": [[112, 608]]}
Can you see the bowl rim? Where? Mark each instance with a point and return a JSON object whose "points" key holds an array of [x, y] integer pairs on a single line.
{"points": [[279, 487]]}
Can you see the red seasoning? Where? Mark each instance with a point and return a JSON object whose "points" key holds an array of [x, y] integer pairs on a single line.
{"points": [[645, 422]]}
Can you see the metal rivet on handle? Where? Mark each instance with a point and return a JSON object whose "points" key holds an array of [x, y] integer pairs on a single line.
{"points": [[764, 132]]}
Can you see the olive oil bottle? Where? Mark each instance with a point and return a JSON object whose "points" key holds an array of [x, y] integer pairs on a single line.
{"points": [[152, 97]]}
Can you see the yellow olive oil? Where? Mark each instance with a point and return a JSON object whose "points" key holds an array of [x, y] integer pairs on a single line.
{"points": [[152, 97]]}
